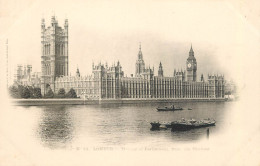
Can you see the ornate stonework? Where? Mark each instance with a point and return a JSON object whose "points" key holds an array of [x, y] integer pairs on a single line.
{"points": [[54, 57]]}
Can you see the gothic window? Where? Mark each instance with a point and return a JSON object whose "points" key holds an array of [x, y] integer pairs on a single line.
{"points": [[49, 49], [62, 51], [58, 49], [46, 49], [45, 72], [57, 69], [49, 69]]}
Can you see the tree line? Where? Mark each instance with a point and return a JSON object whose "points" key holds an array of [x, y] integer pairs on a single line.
{"points": [[27, 92]]}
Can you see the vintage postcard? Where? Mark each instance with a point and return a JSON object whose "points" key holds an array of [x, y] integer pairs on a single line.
{"points": [[129, 82]]}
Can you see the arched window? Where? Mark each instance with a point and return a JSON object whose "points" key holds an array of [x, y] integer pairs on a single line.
{"points": [[48, 69], [61, 72], [45, 47], [49, 49], [62, 51], [58, 47]]}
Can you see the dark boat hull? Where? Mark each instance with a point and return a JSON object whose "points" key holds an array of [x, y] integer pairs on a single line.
{"points": [[169, 109], [185, 127]]}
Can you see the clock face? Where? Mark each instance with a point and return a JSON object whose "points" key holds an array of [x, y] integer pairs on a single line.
{"points": [[189, 65]]}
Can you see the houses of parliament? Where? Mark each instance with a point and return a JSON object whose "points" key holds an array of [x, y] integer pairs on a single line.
{"points": [[109, 82]]}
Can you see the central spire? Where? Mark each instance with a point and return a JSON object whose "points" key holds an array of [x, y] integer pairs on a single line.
{"points": [[140, 65], [140, 54], [160, 71]]}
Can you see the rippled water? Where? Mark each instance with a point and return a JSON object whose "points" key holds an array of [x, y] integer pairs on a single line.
{"points": [[66, 126]]}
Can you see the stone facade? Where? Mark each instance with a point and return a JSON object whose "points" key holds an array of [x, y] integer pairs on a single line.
{"points": [[24, 76], [103, 83], [54, 49], [110, 83]]}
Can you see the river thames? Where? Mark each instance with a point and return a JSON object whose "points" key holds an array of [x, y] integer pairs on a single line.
{"points": [[108, 125]]}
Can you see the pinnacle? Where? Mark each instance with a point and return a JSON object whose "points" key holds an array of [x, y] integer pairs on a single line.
{"points": [[191, 50]]}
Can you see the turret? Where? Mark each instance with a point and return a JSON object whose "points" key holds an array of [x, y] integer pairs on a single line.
{"points": [[202, 78], [43, 24], [77, 72], [53, 21], [66, 27], [66, 24]]}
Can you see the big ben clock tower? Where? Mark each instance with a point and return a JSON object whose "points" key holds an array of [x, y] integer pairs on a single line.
{"points": [[191, 66]]}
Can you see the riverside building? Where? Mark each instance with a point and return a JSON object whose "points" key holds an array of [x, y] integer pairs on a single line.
{"points": [[24, 76], [109, 82]]}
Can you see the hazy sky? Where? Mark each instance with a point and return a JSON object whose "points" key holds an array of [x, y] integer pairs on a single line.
{"points": [[110, 31]]}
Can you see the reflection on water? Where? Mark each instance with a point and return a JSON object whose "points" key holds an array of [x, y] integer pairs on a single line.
{"points": [[55, 127], [116, 124]]}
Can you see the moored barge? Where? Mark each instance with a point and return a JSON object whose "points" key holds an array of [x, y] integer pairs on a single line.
{"points": [[183, 124]]}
